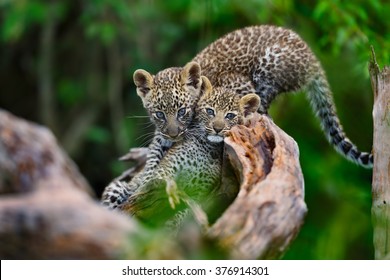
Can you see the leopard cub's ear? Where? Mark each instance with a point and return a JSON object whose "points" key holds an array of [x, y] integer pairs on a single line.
{"points": [[144, 82], [249, 104], [206, 87], [190, 75]]}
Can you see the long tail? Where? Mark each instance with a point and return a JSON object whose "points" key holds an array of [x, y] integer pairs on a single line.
{"points": [[322, 103]]}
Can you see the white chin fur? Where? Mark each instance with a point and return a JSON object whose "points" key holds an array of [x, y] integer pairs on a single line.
{"points": [[215, 138]]}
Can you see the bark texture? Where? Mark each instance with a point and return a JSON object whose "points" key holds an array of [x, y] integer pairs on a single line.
{"points": [[263, 184], [380, 81], [269, 209], [47, 209]]}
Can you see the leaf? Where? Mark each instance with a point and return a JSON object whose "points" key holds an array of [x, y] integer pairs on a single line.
{"points": [[70, 92], [321, 9], [98, 134]]}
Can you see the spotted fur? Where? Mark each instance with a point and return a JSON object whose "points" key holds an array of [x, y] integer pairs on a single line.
{"points": [[193, 165], [218, 111], [271, 60], [162, 161], [169, 97], [267, 60]]}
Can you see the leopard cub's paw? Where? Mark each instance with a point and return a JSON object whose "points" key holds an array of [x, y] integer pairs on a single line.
{"points": [[172, 192]]}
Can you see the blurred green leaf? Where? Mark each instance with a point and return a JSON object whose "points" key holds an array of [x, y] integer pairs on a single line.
{"points": [[98, 134], [70, 92]]}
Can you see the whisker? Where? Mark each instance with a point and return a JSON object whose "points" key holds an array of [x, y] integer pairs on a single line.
{"points": [[193, 133], [145, 143], [144, 137], [149, 124], [144, 125], [145, 140], [136, 117]]}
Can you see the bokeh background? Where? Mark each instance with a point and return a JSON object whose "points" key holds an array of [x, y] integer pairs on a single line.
{"points": [[69, 64]]}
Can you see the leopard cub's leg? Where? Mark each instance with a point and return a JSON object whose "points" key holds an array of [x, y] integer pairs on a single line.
{"points": [[157, 150], [119, 190], [115, 194]]}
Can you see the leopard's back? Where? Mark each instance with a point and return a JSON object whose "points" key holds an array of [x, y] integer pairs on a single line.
{"points": [[272, 60], [258, 55]]}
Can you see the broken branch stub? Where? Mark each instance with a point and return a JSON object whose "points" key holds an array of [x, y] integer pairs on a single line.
{"points": [[269, 209]]}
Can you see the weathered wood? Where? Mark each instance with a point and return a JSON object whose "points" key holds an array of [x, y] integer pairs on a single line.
{"points": [[269, 208], [380, 81], [136, 155], [266, 215], [29, 153], [47, 209]]}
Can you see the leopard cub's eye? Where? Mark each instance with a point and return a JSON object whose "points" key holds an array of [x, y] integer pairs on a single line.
{"points": [[160, 115], [230, 116], [181, 112], [210, 112]]}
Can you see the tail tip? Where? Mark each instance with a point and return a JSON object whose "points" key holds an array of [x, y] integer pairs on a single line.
{"points": [[366, 160]]}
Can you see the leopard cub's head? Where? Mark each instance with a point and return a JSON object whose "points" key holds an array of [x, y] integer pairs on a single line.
{"points": [[170, 98], [219, 109]]}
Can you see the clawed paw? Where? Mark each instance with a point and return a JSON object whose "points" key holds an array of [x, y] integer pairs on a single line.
{"points": [[173, 193]]}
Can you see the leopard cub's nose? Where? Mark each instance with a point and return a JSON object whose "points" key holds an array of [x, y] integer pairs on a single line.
{"points": [[217, 127]]}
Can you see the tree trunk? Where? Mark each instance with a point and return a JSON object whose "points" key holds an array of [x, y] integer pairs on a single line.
{"points": [[45, 70], [380, 81]]}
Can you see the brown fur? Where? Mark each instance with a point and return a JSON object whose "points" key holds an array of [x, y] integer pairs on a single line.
{"points": [[267, 60], [194, 164], [270, 60]]}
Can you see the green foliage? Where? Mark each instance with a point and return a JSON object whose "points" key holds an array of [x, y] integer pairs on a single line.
{"points": [[19, 15], [70, 92], [96, 46], [355, 25], [98, 135], [102, 18]]}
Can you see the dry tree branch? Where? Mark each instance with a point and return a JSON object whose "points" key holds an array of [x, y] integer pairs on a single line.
{"points": [[269, 209], [47, 210]]}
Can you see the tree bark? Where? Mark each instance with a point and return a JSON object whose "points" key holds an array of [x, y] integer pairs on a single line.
{"points": [[380, 81], [269, 209], [47, 209]]}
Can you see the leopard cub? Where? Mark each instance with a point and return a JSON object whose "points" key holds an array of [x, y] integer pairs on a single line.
{"points": [[191, 169], [169, 98]]}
